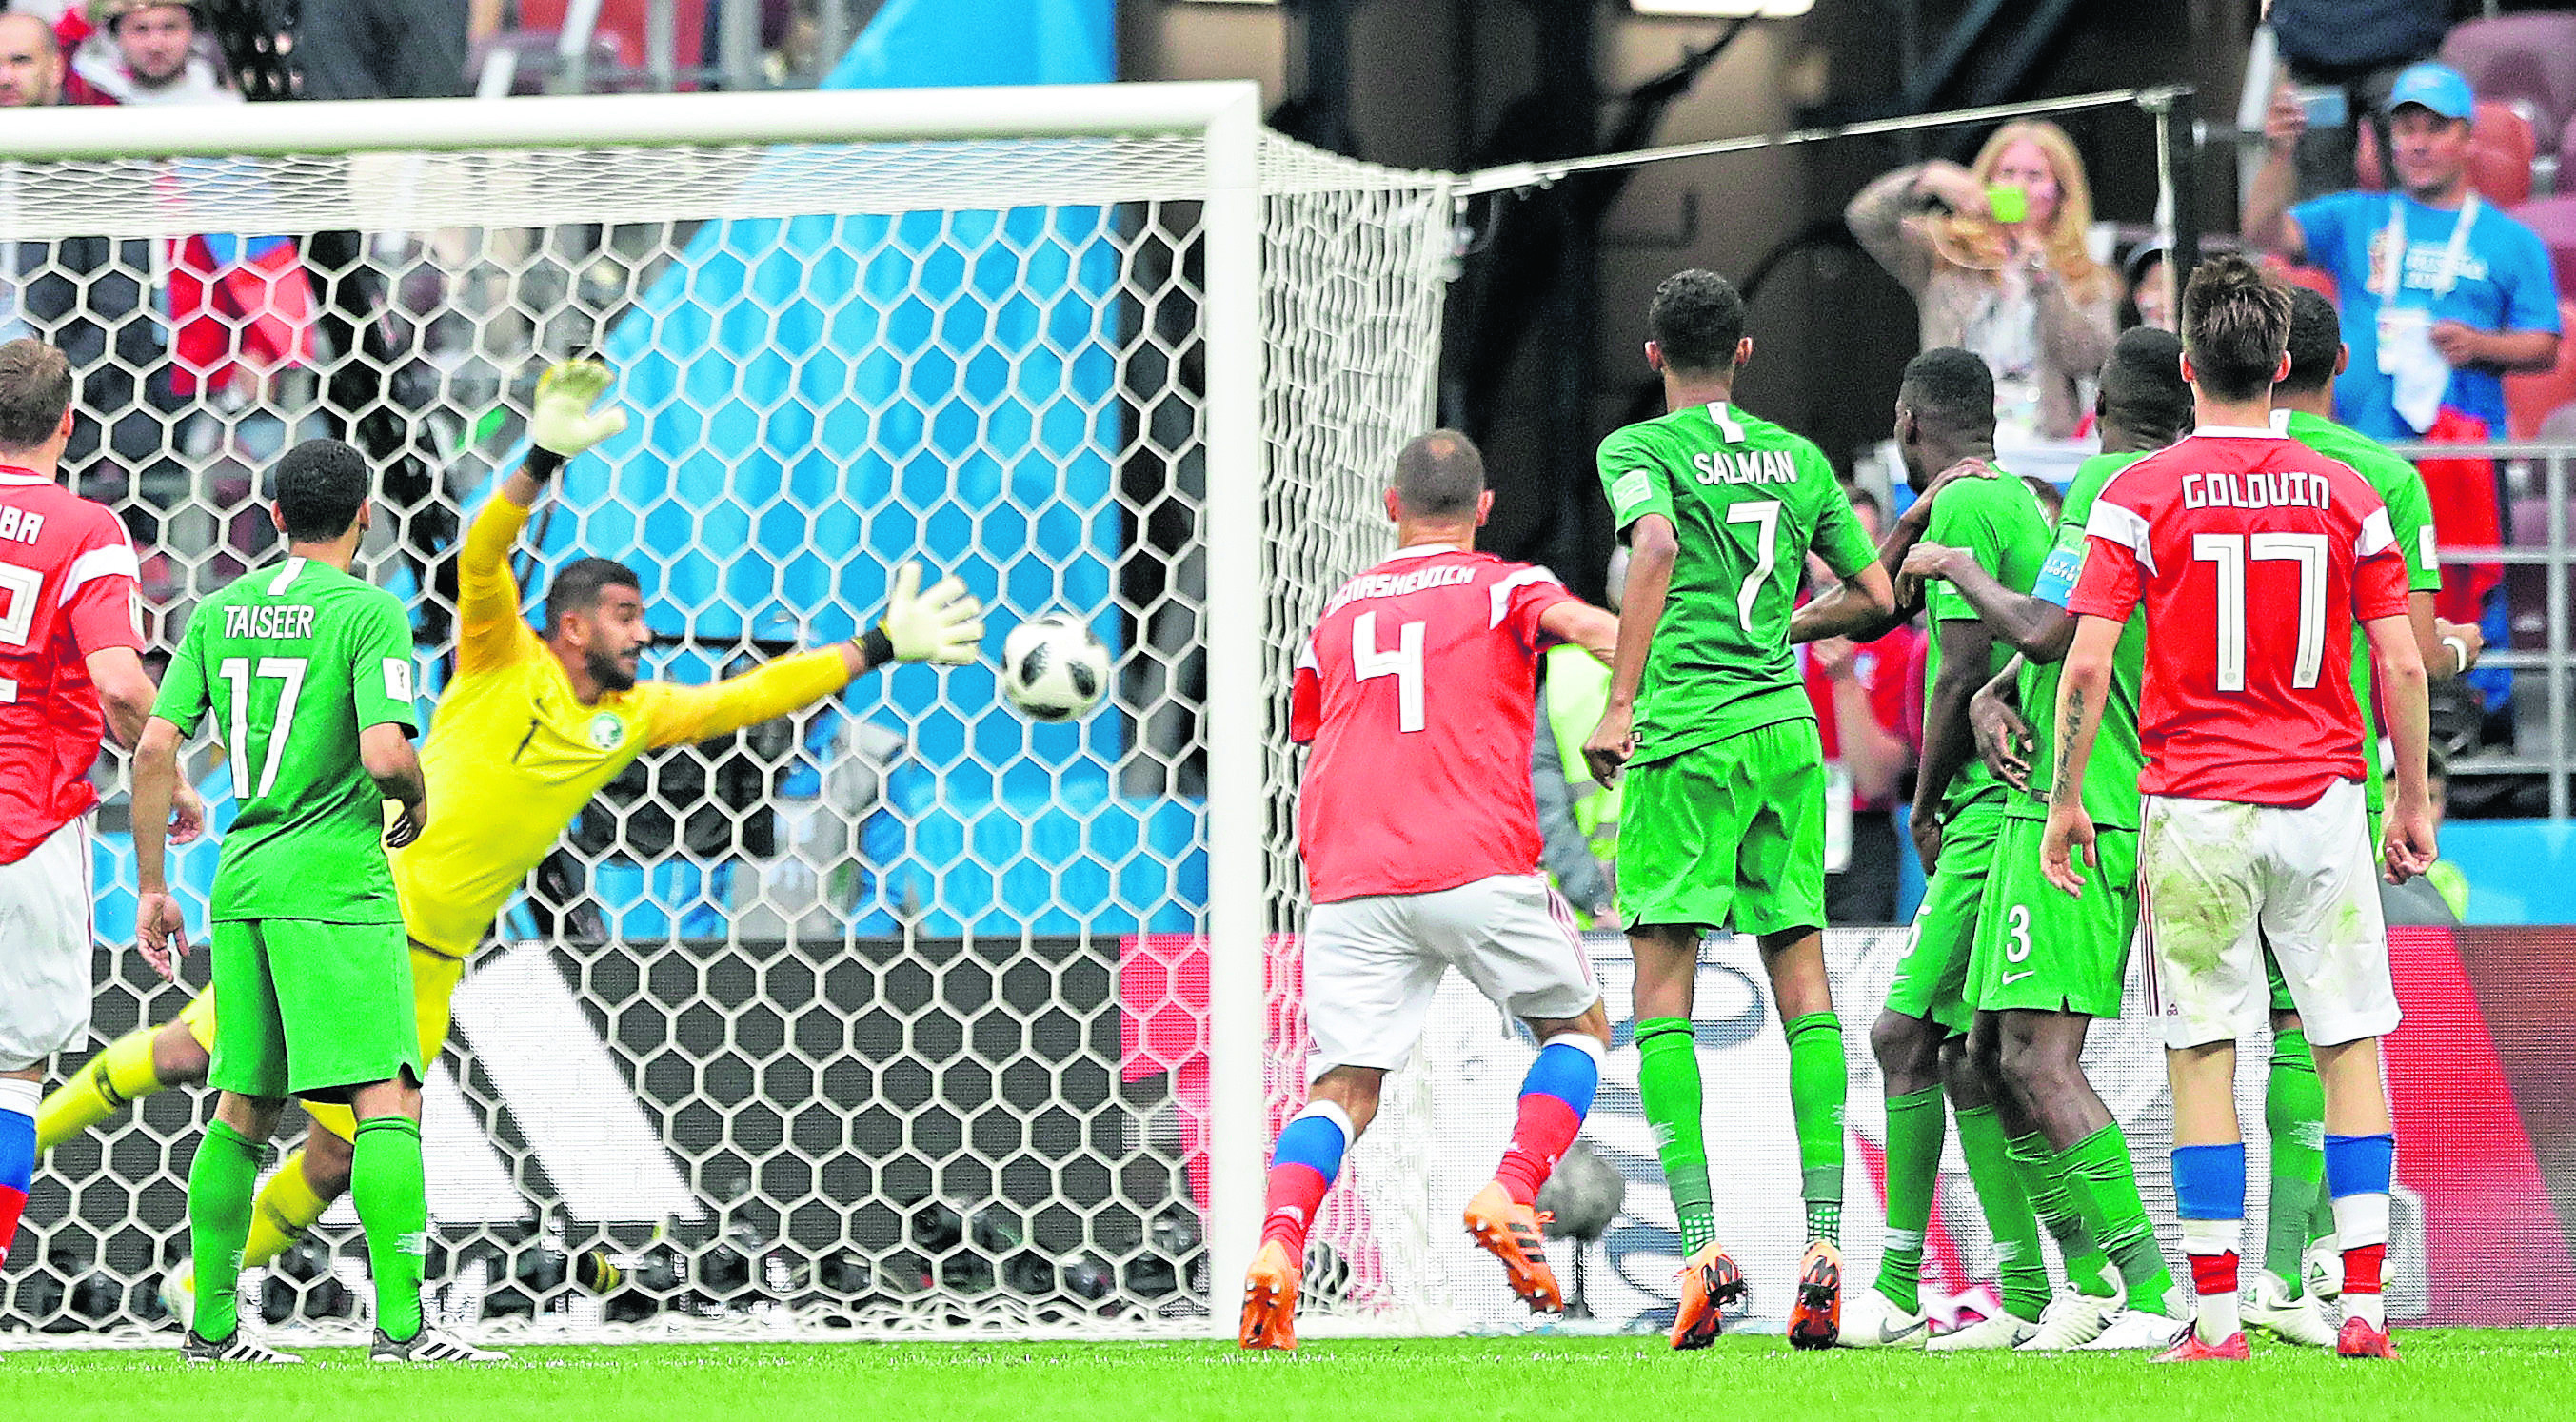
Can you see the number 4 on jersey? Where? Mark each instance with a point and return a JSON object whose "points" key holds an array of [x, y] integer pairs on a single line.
{"points": [[1403, 661]]}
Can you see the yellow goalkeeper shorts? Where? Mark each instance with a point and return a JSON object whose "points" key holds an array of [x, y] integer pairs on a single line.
{"points": [[434, 977]]}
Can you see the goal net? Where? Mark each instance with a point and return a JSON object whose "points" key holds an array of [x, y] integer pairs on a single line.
{"points": [[903, 1014], [860, 1018]]}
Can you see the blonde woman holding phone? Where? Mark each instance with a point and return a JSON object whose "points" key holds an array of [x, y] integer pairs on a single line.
{"points": [[2004, 271]]}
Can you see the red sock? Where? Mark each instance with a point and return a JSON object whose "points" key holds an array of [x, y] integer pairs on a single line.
{"points": [[2213, 1273], [2362, 1268], [1540, 1138], [1296, 1193], [13, 1203]]}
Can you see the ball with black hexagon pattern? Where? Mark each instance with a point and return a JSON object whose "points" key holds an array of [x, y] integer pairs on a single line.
{"points": [[1053, 668]]}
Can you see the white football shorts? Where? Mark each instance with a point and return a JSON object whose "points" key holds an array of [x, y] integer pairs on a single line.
{"points": [[1373, 964], [2218, 880], [45, 948]]}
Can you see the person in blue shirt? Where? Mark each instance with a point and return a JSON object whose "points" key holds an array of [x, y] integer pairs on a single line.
{"points": [[2441, 294]]}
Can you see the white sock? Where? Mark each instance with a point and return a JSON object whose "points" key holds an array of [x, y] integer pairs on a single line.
{"points": [[2214, 1315], [2362, 1221]]}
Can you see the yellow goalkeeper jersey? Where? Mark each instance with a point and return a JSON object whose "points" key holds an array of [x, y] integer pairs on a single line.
{"points": [[512, 757]]}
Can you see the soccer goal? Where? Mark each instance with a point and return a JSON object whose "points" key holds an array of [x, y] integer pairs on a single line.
{"points": [[908, 1014]]}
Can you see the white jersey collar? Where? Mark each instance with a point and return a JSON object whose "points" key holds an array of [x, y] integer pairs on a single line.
{"points": [[1424, 550]]}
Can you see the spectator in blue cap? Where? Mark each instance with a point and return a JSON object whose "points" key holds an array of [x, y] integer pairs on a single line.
{"points": [[2440, 294]]}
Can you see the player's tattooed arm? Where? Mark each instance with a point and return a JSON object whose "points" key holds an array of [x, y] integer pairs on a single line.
{"points": [[2034, 627], [1652, 547], [2003, 735]]}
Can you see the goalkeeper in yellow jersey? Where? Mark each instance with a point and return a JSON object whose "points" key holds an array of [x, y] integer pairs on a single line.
{"points": [[529, 729]]}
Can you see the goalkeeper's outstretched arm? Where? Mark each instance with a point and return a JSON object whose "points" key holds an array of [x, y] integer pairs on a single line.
{"points": [[562, 424], [489, 630], [941, 624]]}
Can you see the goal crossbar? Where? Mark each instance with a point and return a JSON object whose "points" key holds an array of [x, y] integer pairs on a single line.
{"points": [[617, 120]]}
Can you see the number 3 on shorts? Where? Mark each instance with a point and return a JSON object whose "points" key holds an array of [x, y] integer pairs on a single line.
{"points": [[2017, 929]]}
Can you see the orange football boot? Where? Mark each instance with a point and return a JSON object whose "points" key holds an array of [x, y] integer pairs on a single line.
{"points": [[2189, 1349], [1270, 1299], [1817, 1319], [2360, 1340], [1710, 1281], [1510, 1231]]}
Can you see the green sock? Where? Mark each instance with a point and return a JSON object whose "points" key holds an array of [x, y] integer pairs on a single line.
{"points": [[2051, 1191], [1668, 1086], [1818, 1082], [1915, 1127], [221, 1183], [386, 1183], [2023, 1269], [2294, 1112], [2100, 1162]]}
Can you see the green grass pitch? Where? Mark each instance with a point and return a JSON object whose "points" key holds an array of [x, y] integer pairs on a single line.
{"points": [[2451, 1375]]}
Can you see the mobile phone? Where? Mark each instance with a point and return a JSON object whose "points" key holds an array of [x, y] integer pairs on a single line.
{"points": [[2007, 203], [2325, 106]]}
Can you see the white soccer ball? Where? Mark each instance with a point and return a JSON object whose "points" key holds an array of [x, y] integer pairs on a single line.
{"points": [[1053, 669]]}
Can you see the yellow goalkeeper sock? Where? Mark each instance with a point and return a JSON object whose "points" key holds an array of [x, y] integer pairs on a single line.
{"points": [[287, 1207], [104, 1085]]}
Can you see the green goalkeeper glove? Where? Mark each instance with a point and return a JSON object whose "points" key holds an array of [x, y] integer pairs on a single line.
{"points": [[562, 422], [942, 625]]}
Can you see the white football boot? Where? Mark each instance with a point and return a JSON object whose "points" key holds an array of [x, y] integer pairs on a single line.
{"points": [[2269, 1307], [1872, 1320], [2074, 1318], [1996, 1334], [2137, 1332]]}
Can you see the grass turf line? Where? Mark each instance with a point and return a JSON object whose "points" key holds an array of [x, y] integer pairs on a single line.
{"points": [[2457, 1375]]}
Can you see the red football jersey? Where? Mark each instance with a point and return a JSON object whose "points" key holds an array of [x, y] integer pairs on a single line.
{"points": [[1418, 689], [2255, 556], [67, 589], [1885, 670]]}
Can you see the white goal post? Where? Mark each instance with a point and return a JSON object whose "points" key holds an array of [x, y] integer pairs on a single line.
{"points": [[852, 1024]]}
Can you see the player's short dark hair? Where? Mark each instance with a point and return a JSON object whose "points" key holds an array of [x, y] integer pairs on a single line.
{"points": [[577, 587], [35, 389], [1439, 475], [2142, 386], [320, 485], [1698, 320], [1866, 499], [2235, 324], [1951, 390], [2316, 338]]}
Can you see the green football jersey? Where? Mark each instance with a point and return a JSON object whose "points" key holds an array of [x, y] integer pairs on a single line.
{"points": [[2000, 523], [295, 660], [2410, 518], [2111, 776], [1747, 500]]}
